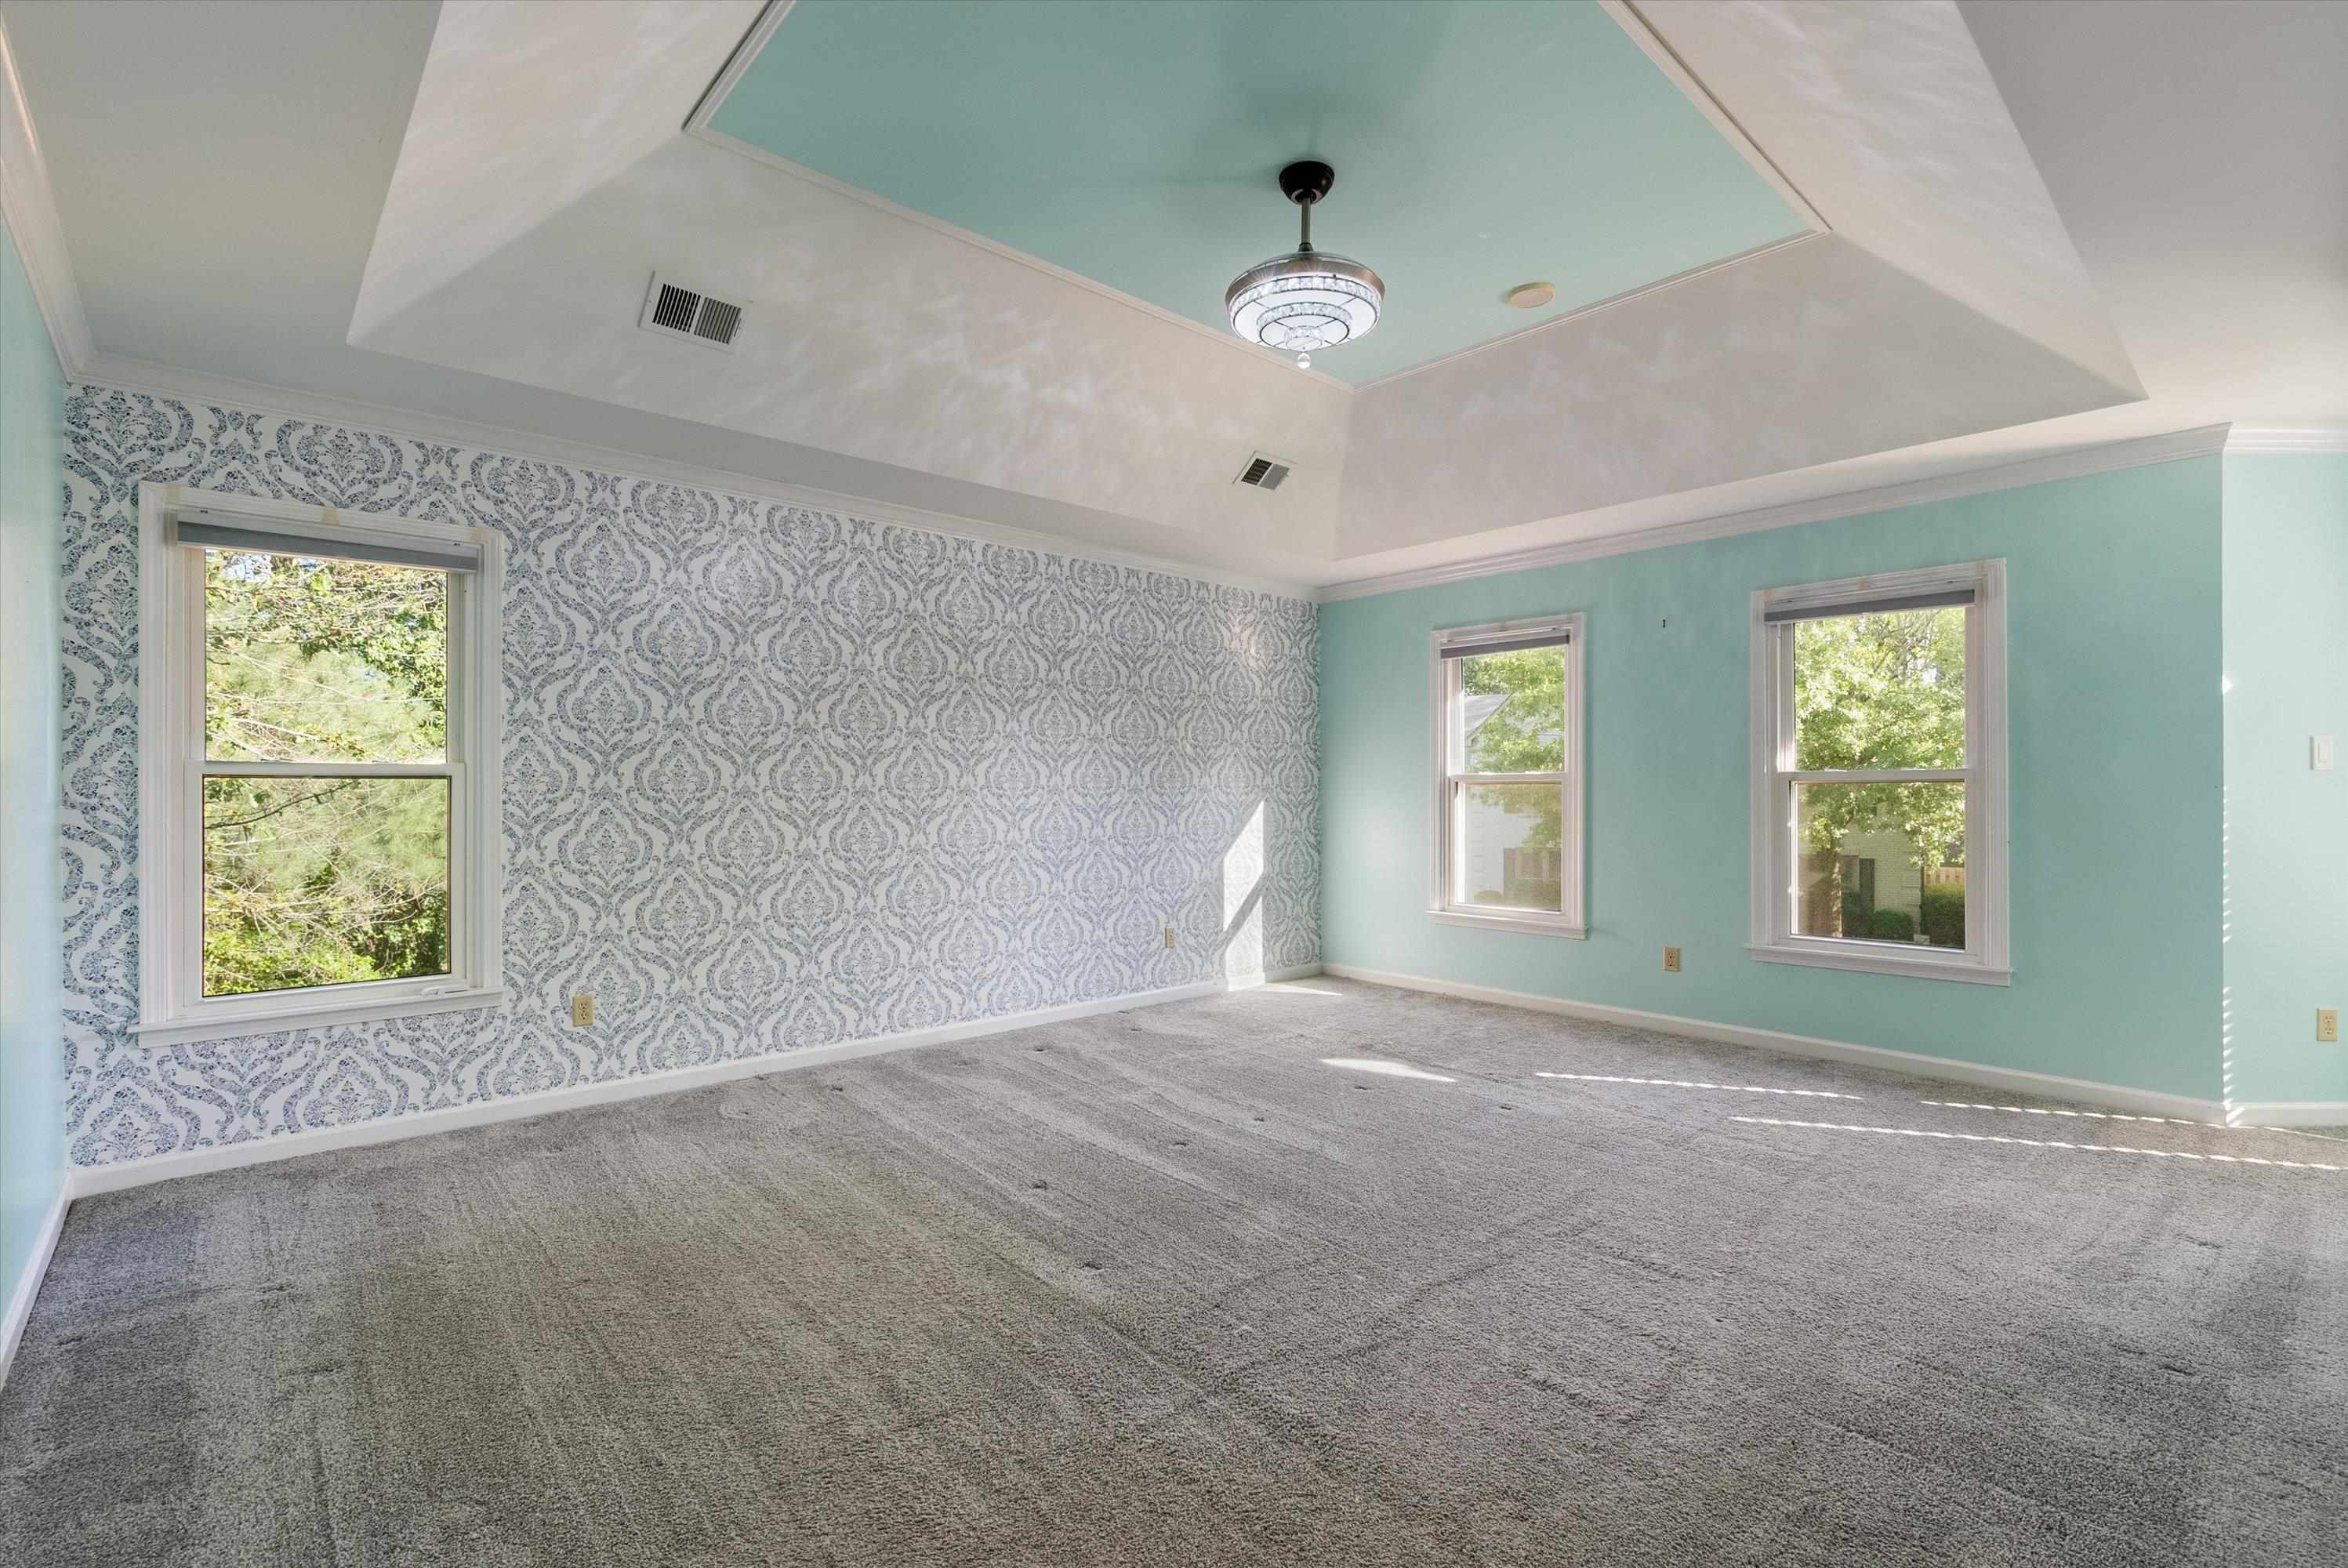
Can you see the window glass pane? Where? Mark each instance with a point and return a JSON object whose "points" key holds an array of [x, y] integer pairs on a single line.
{"points": [[1512, 712], [319, 881], [1882, 862], [324, 661], [1880, 691], [1508, 849]]}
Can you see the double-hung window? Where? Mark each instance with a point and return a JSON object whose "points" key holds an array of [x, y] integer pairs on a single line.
{"points": [[1879, 774], [319, 706], [1507, 776]]}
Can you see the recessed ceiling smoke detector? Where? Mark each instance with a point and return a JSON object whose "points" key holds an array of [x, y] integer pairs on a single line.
{"points": [[1264, 471], [1307, 299], [676, 310]]}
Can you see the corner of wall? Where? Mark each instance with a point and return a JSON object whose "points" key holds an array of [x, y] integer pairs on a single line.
{"points": [[2285, 562], [32, 1030]]}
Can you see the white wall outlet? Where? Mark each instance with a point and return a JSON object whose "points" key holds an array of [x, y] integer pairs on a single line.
{"points": [[2319, 752], [1671, 960], [583, 1010], [1170, 936], [2327, 1025]]}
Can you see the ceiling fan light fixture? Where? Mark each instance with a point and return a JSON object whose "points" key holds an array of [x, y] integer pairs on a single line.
{"points": [[1307, 299]]}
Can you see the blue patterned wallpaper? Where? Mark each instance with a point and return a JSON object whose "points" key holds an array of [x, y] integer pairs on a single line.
{"points": [[774, 777]]}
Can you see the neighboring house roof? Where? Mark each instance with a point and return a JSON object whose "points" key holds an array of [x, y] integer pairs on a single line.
{"points": [[1477, 708]]}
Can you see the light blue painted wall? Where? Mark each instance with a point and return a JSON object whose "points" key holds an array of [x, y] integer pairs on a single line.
{"points": [[2115, 734], [2286, 655], [32, 483]]}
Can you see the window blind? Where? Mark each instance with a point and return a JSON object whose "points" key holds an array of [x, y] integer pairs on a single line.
{"points": [[213, 531], [1882, 606], [1506, 643]]}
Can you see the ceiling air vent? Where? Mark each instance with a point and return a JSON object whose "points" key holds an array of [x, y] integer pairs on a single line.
{"points": [[689, 313], [1265, 472]]}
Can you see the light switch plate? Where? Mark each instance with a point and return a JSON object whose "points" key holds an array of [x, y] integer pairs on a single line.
{"points": [[2319, 752]]}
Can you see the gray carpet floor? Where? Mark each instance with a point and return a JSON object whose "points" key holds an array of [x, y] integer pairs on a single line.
{"points": [[1317, 1274]]}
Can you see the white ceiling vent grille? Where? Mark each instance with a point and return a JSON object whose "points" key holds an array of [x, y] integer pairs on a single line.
{"points": [[1264, 471], [678, 311]]}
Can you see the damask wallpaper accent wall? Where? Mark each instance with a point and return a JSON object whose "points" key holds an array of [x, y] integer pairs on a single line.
{"points": [[774, 777]]}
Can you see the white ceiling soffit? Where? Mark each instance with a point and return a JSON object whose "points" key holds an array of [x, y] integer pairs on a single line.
{"points": [[1810, 354], [577, 105], [220, 170], [1888, 119], [883, 339], [2199, 153], [872, 336], [1947, 301], [2196, 158]]}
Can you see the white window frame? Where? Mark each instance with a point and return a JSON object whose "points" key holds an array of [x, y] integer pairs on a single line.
{"points": [[1444, 906], [172, 1007], [1986, 957]]}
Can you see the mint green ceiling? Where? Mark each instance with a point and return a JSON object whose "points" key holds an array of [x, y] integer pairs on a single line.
{"points": [[1477, 146]]}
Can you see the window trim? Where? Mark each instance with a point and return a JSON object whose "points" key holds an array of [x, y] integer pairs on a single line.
{"points": [[1987, 956], [1571, 920], [172, 1008]]}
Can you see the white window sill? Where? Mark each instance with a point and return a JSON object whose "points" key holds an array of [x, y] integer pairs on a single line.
{"points": [[1518, 919], [236, 1023], [1882, 959]]}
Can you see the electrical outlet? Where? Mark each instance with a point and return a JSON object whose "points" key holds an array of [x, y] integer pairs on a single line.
{"points": [[1671, 960], [583, 1010], [2327, 1025], [1170, 936]]}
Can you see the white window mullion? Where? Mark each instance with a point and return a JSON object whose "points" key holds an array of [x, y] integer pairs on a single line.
{"points": [[1879, 776], [327, 769], [1553, 777]]}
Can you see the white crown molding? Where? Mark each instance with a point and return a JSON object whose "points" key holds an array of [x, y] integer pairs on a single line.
{"points": [[2271, 440], [752, 44], [2207, 441], [87, 1181], [118, 374], [29, 205]]}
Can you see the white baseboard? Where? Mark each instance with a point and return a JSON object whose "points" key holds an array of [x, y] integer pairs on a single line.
{"points": [[36, 1266], [2292, 1113], [84, 1180], [2143, 1102]]}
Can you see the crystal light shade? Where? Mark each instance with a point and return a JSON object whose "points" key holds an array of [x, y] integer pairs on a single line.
{"points": [[1305, 300]]}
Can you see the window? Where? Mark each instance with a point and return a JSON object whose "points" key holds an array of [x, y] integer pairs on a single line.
{"points": [[318, 766], [1879, 774], [1507, 776]]}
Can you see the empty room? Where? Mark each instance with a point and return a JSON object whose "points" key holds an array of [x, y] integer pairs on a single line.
{"points": [[1062, 783]]}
